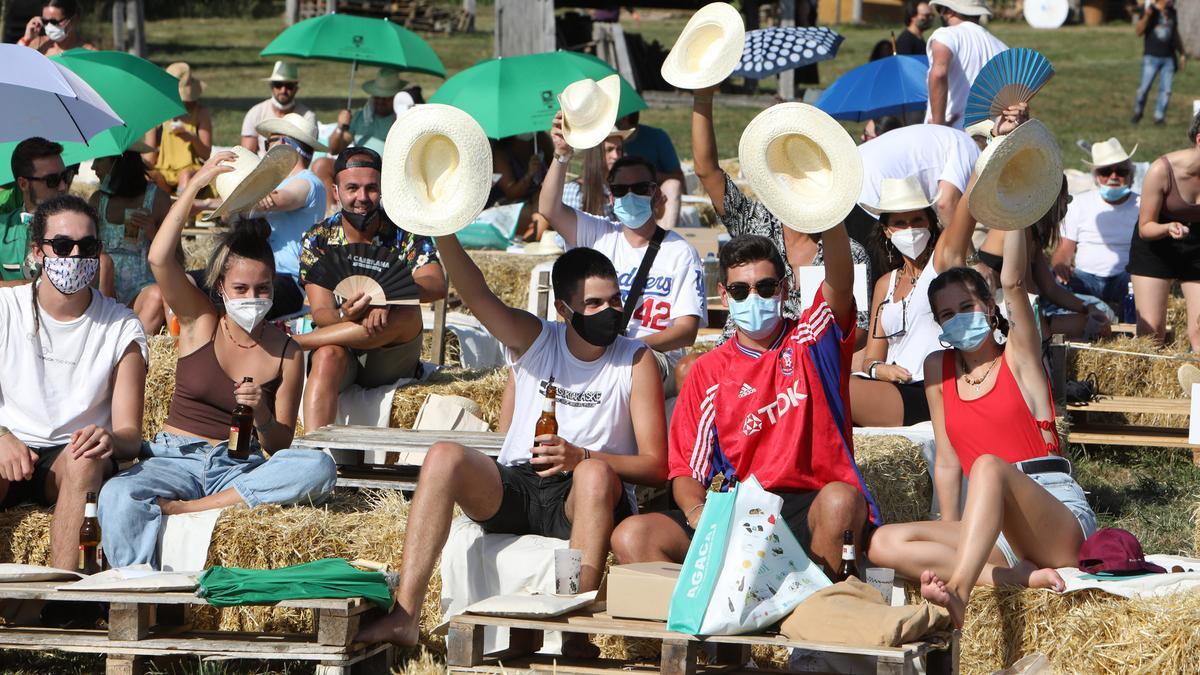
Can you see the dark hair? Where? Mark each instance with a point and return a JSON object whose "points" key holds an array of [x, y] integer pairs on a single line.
{"points": [[1194, 129], [910, 10], [37, 231], [975, 285], [881, 50], [631, 160], [415, 92], [887, 256], [29, 150], [576, 266], [747, 248], [1045, 229], [249, 239], [70, 8], [127, 177], [592, 180], [887, 123], [633, 118], [366, 157]]}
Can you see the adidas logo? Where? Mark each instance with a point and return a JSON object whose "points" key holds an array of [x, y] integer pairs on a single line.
{"points": [[746, 390]]}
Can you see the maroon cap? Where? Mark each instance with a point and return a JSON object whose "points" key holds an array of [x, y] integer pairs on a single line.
{"points": [[1112, 550]]}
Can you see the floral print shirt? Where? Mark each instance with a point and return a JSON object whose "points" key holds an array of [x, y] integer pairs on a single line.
{"points": [[415, 250]]}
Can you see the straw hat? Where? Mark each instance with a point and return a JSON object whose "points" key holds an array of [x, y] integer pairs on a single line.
{"points": [[590, 110], [1019, 178], [252, 178], [437, 169], [190, 86], [284, 72], [387, 83], [295, 126], [981, 128], [1108, 153], [803, 166], [900, 195], [708, 50], [546, 245], [964, 7]]}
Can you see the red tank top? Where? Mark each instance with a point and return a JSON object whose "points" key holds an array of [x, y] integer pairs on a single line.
{"points": [[997, 423]]}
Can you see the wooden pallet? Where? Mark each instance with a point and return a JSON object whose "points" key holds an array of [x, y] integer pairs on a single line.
{"points": [[1085, 431]]}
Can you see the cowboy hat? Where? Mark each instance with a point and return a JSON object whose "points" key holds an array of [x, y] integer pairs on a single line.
{"points": [[708, 50], [387, 83], [981, 128], [190, 86], [1019, 177], [252, 178], [1108, 153], [963, 7], [589, 110], [437, 169], [802, 165], [900, 195], [546, 245], [284, 72], [295, 126]]}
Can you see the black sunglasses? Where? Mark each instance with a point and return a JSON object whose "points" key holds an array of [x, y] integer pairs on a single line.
{"points": [[284, 85], [89, 246], [52, 22], [1106, 171], [644, 188], [53, 180], [903, 322], [740, 290]]}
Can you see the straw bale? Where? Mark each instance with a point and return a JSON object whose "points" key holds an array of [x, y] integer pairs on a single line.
{"points": [[160, 384], [453, 354], [1128, 375], [423, 663], [25, 535], [485, 387], [1177, 323], [896, 473], [196, 251], [507, 274]]}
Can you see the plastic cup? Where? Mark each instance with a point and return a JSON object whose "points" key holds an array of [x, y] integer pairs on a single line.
{"points": [[568, 563], [882, 579], [131, 230]]}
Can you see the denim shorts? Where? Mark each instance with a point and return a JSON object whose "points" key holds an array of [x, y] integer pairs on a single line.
{"points": [[1066, 490]]}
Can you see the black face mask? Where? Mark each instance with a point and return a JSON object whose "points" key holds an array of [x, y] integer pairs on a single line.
{"points": [[600, 329], [359, 221]]}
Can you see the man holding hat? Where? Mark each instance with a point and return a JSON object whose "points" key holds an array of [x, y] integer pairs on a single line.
{"points": [[957, 52], [1093, 247], [369, 127], [285, 82]]}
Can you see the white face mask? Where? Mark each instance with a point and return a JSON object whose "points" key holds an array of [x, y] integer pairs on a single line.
{"points": [[55, 32], [911, 242], [279, 106], [248, 312]]}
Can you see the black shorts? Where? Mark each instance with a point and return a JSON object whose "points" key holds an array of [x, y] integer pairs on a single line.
{"points": [[794, 511], [33, 490], [1165, 258], [916, 406], [536, 505]]}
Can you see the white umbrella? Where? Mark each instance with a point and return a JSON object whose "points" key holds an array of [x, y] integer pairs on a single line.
{"points": [[39, 97]]}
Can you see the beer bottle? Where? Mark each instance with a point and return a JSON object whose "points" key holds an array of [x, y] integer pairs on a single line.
{"points": [[241, 429], [849, 559], [90, 561], [547, 424]]}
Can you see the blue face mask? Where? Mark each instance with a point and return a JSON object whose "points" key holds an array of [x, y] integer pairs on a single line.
{"points": [[632, 210], [1114, 194], [756, 316], [966, 331]]}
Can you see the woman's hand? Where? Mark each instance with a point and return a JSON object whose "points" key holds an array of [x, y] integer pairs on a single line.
{"points": [[1177, 230], [250, 394], [214, 167], [561, 147], [1012, 117], [890, 372], [33, 29]]}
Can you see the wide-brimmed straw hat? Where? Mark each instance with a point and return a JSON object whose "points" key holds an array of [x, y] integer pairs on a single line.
{"points": [[900, 195], [1019, 177], [295, 126], [437, 169], [284, 72], [1108, 153], [252, 178], [546, 245], [589, 110], [981, 128], [964, 7], [387, 83], [803, 166], [708, 50], [190, 86]]}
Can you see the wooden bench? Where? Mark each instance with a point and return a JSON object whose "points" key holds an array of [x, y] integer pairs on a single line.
{"points": [[679, 651], [1086, 431], [151, 624]]}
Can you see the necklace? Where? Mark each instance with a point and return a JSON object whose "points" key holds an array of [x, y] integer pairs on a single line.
{"points": [[967, 377], [229, 335]]}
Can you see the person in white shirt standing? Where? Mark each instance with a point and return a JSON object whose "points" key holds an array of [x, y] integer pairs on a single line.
{"points": [[1093, 248], [74, 364], [941, 158], [285, 82], [957, 52]]}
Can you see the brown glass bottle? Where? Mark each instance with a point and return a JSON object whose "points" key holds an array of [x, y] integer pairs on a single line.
{"points": [[241, 429], [547, 423], [90, 556], [849, 566]]}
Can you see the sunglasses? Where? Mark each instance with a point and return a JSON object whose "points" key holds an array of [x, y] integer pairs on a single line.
{"points": [[52, 22], [1121, 172], [740, 290], [903, 323], [89, 246], [291, 86], [643, 189], [53, 180]]}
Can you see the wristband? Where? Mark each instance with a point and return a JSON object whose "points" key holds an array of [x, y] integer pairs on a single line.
{"points": [[562, 159], [587, 454], [871, 370], [23, 41]]}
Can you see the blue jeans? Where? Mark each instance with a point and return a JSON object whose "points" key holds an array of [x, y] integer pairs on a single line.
{"points": [[1109, 289], [180, 467], [1151, 67]]}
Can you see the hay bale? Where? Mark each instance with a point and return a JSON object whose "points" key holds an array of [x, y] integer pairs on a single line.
{"points": [[25, 533], [160, 384], [896, 473], [507, 274], [485, 387], [196, 251], [453, 352], [1128, 375]]}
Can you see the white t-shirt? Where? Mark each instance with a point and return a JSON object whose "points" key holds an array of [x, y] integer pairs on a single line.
{"points": [[930, 151], [265, 110], [971, 47], [674, 288], [61, 379], [1102, 232]]}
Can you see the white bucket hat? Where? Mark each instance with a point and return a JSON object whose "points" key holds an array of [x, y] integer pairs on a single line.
{"points": [[1108, 153], [964, 7], [437, 169], [1019, 177], [708, 50], [802, 165], [387, 83], [252, 178], [899, 195], [589, 110], [295, 126], [284, 72]]}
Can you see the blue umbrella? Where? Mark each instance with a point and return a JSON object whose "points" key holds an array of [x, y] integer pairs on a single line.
{"points": [[773, 50], [890, 86]]}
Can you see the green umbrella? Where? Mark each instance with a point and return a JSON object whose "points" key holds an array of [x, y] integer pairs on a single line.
{"points": [[519, 94], [143, 94], [328, 578], [354, 40]]}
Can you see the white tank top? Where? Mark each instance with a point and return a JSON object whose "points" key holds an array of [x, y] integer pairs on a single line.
{"points": [[910, 325]]}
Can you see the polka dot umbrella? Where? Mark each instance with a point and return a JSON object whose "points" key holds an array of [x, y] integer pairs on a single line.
{"points": [[773, 50]]}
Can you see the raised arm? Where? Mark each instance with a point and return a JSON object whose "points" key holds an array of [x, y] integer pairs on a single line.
{"points": [[292, 196], [1024, 345], [954, 245], [939, 83], [1144, 21], [704, 149], [550, 204], [839, 275]]}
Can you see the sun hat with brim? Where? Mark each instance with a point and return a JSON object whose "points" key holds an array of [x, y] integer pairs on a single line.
{"points": [[708, 49], [964, 7], [295, 126], [900, 195], [547, 245], [1108, 153], [981, 128], [802, 165], [589, 110], [1019, 177], [190, 86], [1116, 552], [252, 178], [386, 83], [284, 72], [437, 169]]}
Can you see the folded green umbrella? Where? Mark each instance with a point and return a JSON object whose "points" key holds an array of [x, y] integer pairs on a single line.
{"points": [[328, 578]]}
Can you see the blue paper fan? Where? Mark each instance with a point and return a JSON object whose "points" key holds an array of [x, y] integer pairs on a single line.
{"points": [[1010, 77]]}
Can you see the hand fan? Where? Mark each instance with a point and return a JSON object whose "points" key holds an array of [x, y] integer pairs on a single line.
{"points": [[1010, 77], [376, 271]]}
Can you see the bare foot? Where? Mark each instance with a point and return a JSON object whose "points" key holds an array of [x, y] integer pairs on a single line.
{"points": [[398, 627], [579, 646], [1047, 577], [934, 590], [1029, 575]]}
